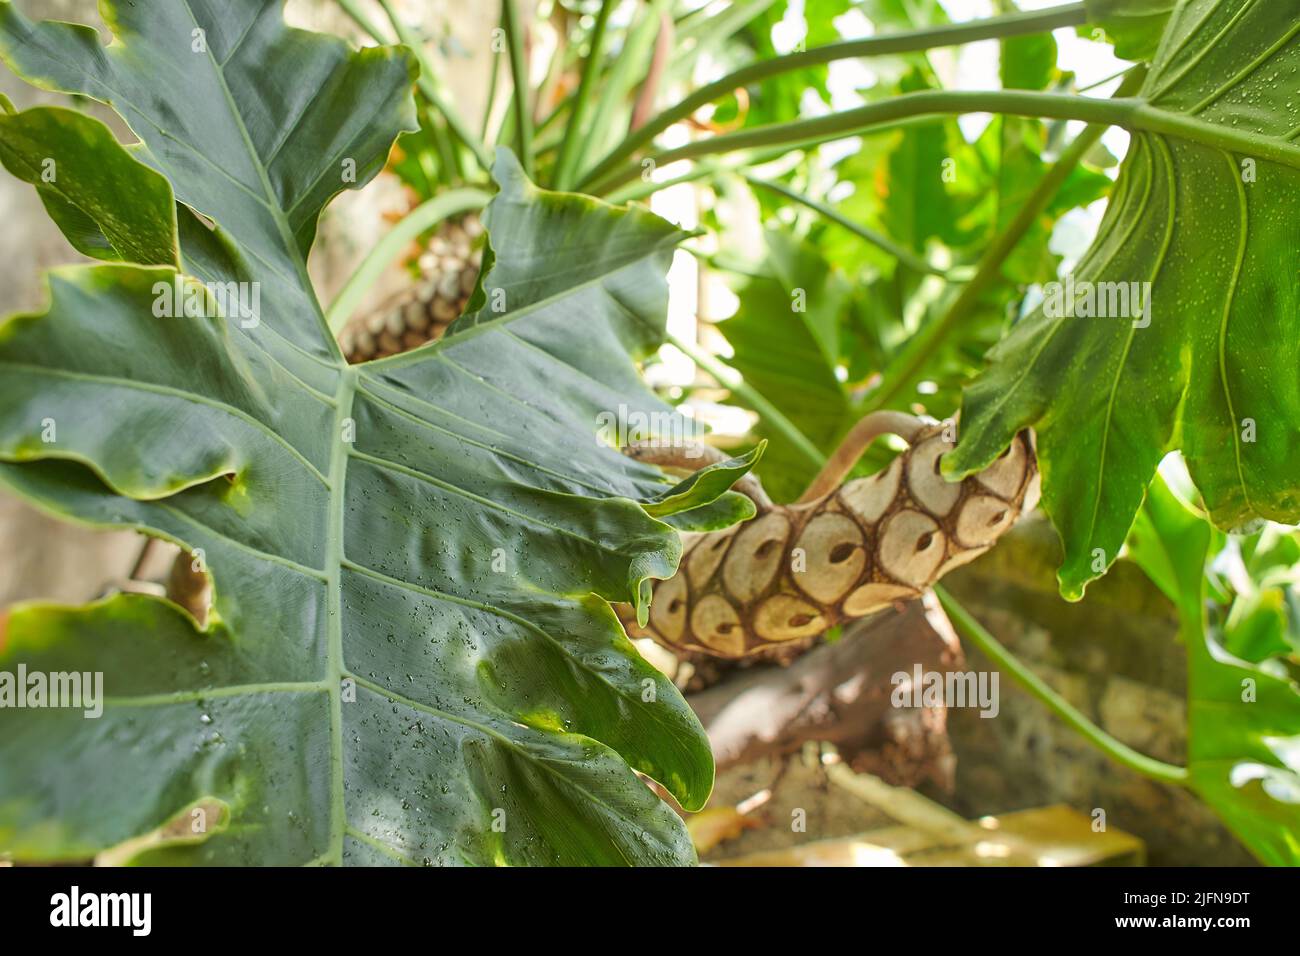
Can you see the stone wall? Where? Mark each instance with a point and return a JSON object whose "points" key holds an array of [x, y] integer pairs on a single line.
{"points": [[1117, 657]]}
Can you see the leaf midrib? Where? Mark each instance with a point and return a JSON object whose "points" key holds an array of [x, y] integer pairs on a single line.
{"points": [[334, 556]]}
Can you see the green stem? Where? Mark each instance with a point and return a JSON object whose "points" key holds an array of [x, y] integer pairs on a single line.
{"points": [[519, 72], [931, 338], [421, 218], [491, 98], [772, 416], [907, 106], [1133, 114], [910, 41], [720, 262], [630, 62], [903, 255], [448, 155], [1118, 751], [573, 133], [426, 84], [716, 167], [703, 170], [1114, 76]]}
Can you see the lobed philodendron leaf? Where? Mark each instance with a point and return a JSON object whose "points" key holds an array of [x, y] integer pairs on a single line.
{"points": [[1178, 329], [411, 655], [1243, 716]]}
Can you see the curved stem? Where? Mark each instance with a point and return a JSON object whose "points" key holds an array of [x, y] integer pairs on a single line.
{"points": [[573, 134], [1118, 751], [1131, 113], [717, 167], [845, 457], [906, 106], [421, 218], [910, 41], [772, 415], [518, 71]]}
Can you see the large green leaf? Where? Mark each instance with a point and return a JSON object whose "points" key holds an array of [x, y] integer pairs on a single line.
{"points": [[411, 656], [1215, 231], [1243, 716]]}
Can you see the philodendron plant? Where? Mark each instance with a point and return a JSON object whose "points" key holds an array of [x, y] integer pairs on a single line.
{"points": [[411, 655]]}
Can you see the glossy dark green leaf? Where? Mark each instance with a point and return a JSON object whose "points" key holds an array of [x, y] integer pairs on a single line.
{"points": [[1214, 230], [1243, 716], [411, 657]]}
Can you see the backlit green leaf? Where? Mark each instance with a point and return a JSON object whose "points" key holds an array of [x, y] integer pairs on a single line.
{"points": [[1212, 368]]}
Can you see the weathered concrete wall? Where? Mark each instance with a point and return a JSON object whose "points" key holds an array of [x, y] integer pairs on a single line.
{"points": [[1117, 657]]}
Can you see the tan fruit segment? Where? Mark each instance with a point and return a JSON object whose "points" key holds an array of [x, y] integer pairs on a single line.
{"points": [[930, 489], [705, 557], [911, 547], [869, 498], [960, 556], [874, 597], [1005, 476], [1033, 491], [716, 625], [784, 617], [982, 520], [668, 609], [758, 551], [833, 557]]}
